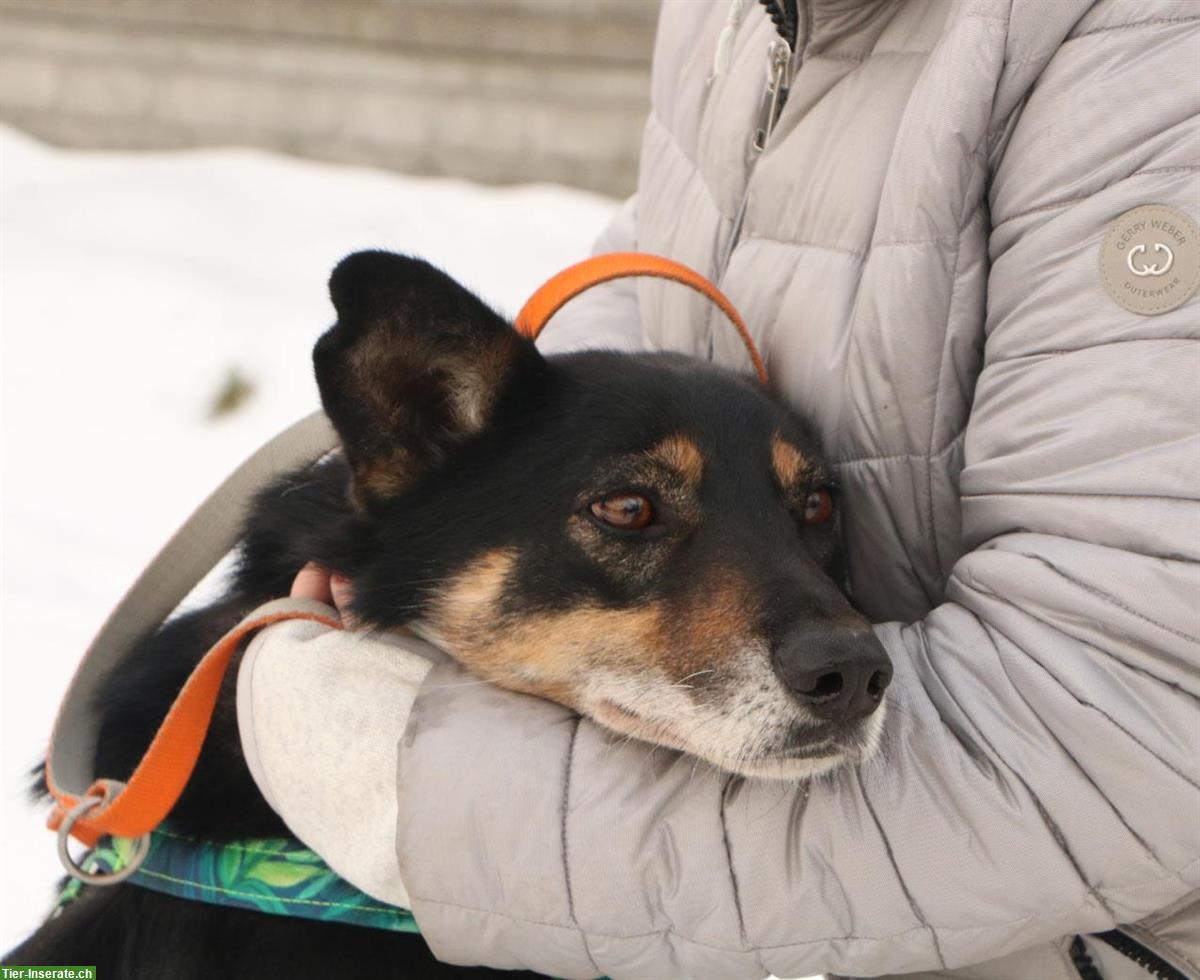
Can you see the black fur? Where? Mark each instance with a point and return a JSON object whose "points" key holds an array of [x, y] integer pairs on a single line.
{"points": [[423, 488]]}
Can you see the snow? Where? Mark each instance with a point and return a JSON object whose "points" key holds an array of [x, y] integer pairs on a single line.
{"points": [[130, 284]]}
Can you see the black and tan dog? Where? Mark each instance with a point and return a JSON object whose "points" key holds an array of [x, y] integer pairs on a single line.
{"points": [[644, 538]]}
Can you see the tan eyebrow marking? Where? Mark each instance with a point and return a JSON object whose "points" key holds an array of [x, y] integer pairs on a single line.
{"points": [[680, 454], [790, 464]]}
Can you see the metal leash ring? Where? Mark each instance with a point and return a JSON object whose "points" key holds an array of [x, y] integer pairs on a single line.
{"points": [[75, 870]]}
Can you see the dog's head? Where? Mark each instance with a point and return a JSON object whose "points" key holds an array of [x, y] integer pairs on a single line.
{"points": [[644, 538]]}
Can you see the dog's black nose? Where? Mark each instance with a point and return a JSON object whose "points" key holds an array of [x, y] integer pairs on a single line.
{"points": [[838, 675]]}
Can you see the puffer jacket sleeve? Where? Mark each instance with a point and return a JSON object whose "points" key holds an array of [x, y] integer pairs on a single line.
{"points": [[1040, 773], [605, 316]]}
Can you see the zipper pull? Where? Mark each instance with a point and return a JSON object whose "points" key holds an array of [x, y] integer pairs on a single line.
{"points": [[779, 60]]}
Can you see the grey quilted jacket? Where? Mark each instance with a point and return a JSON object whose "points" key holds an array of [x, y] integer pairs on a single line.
{"points": [[931, 253]]}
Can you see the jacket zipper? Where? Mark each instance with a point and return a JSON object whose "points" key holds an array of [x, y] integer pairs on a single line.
{"points": [[783, 61], [779, 77], [1148, 960], [784, 15]]}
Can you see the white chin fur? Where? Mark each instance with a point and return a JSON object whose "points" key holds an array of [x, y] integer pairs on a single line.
{"points": [[741, 734], [789, 770], [797, 769]]}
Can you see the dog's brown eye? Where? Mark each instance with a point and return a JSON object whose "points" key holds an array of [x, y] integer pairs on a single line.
{"points": [[818, 507], [627, 511]]}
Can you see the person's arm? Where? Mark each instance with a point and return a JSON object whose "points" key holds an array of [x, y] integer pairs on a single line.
{"points": [[1040, 772], [321, 713]]}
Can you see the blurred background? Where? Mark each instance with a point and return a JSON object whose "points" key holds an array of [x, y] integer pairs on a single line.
{"points": [[177, 178], [501, 91]]}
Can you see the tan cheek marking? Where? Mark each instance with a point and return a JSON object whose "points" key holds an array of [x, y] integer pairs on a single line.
{"points": [[547, 654], [472, 598], [791, 466], [682, 455], [711, 629], [553, 654]]}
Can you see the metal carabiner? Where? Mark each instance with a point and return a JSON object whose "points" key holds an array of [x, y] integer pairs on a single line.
{"points": [[75, 870]]}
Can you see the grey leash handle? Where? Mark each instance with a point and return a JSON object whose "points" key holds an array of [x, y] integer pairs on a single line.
{"points": [[211, 532]]}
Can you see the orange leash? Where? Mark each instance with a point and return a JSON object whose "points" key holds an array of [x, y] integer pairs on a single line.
{"points": [[88, 807], [572, 281], [135, 808]]}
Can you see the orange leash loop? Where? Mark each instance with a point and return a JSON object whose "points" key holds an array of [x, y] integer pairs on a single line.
{"points": [[143, 803], [557, 291]]}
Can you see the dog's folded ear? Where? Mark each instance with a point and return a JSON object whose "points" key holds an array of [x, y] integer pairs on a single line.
{"points": [[414, 364]]}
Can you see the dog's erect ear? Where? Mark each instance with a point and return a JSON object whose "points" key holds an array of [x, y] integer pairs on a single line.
{"points": [[414, 364]]}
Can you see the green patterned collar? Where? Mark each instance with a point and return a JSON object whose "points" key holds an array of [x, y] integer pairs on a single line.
{"points": [[277, 876]]}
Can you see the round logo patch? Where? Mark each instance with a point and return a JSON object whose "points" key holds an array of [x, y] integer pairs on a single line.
{"points": [[1150, 259]]}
